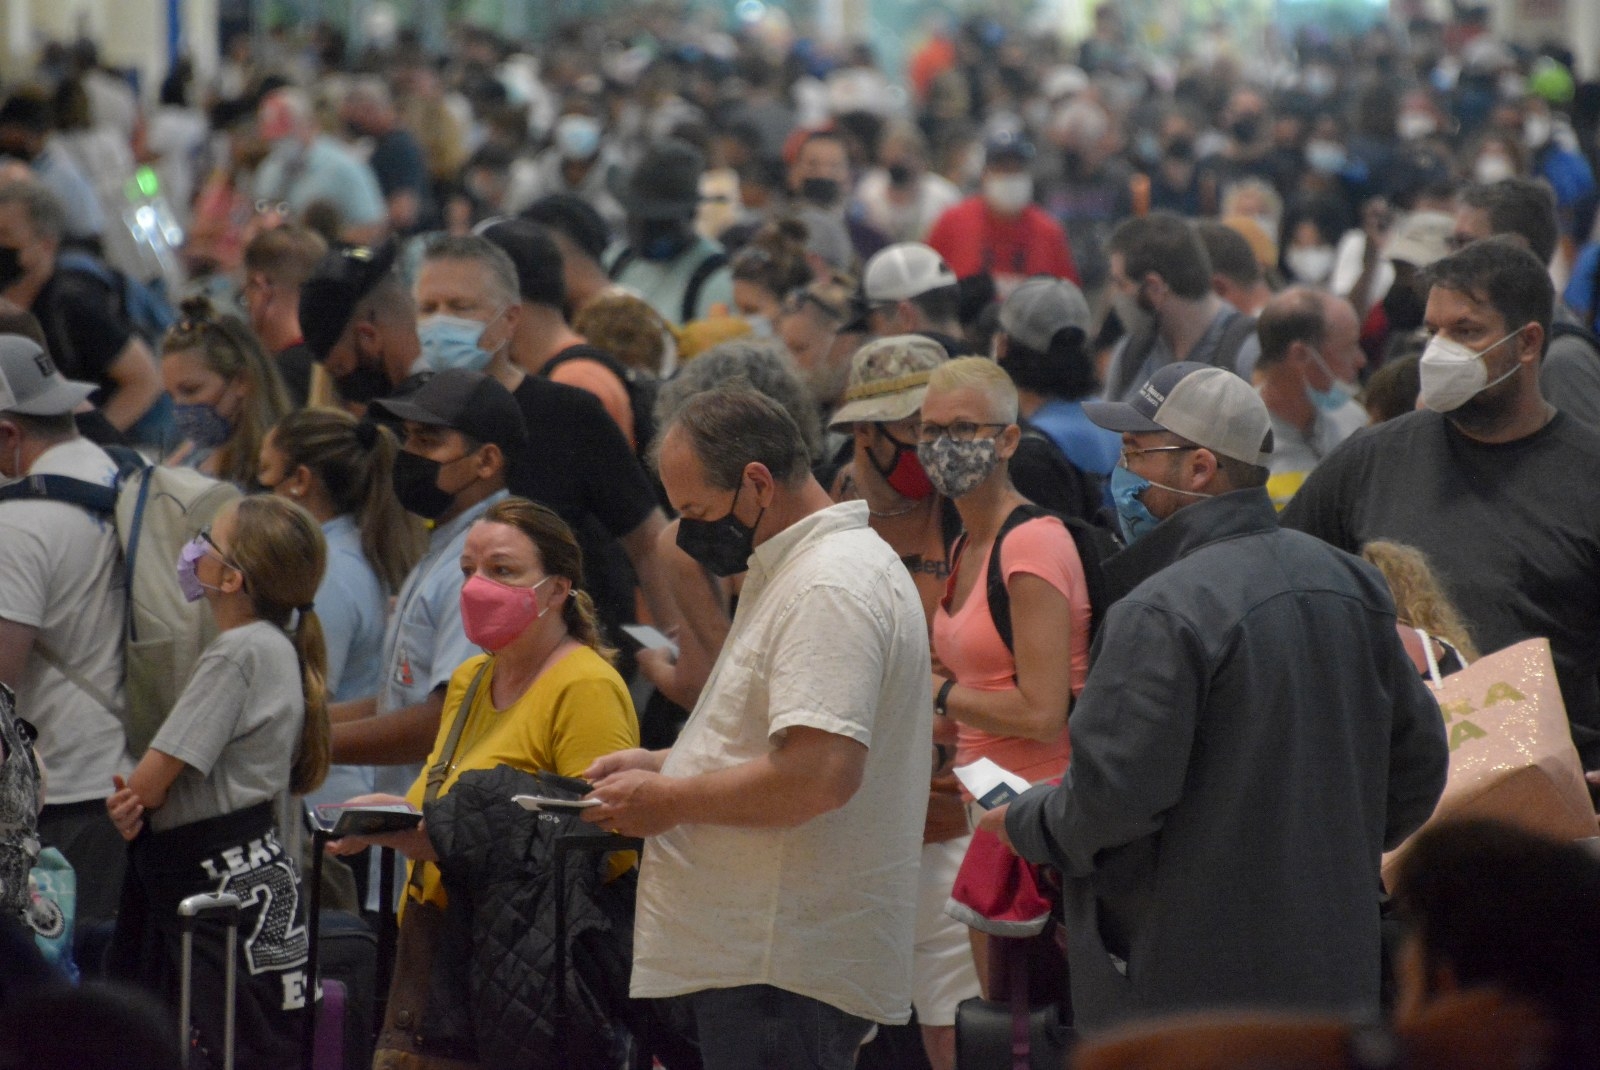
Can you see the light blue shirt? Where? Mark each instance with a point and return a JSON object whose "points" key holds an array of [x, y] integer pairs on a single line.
{"points": [[322, 171], [63, 177], [351, 604], [663, 285], [1090, 447], [425, 641]]}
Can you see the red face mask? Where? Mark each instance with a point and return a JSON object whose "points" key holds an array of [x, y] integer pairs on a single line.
{"points": [[494, 614], [904, 473]]}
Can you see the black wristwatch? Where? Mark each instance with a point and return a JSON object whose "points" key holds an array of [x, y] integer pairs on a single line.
{"points": [[942, 700]]}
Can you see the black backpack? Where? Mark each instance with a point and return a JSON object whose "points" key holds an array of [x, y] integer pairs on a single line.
{"points": [[1094, 544], [642, 388]]}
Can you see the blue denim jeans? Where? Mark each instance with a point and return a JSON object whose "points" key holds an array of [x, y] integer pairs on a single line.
{"points": [[759, 1027]]}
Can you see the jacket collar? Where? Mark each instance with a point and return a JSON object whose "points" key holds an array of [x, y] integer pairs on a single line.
{"points": [[1227, 516]]}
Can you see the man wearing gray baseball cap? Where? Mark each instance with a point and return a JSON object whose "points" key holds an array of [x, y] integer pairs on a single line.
{"points": [[61, 618], [1251, 737]]}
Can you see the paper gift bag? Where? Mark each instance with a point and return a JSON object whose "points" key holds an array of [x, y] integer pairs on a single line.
{"points": [[1511, 752]]}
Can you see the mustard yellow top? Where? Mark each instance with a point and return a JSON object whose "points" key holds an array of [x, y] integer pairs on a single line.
{"points": [[576, 711]]}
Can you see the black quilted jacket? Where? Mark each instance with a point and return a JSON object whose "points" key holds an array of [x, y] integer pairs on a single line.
{"points": [[492, 991]]}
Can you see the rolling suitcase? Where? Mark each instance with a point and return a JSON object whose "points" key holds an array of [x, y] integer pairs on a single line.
{"points": [[224, 906]]}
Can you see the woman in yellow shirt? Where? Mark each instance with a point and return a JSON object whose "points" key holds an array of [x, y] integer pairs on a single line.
{"points": [[544, 699]]}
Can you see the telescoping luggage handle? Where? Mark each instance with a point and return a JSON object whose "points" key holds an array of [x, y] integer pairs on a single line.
{"points": [[225, 906]]}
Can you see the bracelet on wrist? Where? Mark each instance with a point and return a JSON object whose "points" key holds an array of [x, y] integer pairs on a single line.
{"points": [[941, 701]]}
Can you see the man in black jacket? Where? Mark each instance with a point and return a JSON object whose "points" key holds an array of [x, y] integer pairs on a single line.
{"points": [[1251, 738]]}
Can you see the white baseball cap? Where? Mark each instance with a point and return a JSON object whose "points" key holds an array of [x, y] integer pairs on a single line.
{"points": [[31, 385], [903, 271]]}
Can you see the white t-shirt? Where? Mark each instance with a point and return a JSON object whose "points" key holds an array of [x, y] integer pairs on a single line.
{"points": [[61, 572], [829, 634]]}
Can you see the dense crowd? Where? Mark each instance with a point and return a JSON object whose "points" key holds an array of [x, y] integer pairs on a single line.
{"points": [[752, 450]]}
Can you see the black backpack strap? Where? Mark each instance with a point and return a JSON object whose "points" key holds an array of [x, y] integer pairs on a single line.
{"points": [[94, 497], [584, 351], [1234, 333], [1133, 357], [1094, 544], [995, 580], [703, 271], [620, 264]]}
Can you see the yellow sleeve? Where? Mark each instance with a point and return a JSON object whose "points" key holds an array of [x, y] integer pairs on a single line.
{"points": [[593, 716]]}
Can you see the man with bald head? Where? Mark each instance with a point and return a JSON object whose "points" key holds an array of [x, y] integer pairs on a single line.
{"points": [[1307, 377]]}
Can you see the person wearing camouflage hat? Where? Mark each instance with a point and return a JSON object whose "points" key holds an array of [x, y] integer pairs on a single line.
{"points": [[882, 412]]}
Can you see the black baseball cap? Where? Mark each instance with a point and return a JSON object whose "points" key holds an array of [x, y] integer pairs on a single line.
{"points": [[469, 402], [337, 284], [535, 255]]}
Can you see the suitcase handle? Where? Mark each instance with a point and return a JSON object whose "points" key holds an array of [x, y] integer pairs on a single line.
{"points": [[227, 907]]}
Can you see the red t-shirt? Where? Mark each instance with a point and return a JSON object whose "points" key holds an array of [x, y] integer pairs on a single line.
{"points": [[973, 239]]}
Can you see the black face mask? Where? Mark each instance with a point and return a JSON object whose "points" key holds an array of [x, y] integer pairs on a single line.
{"points": [[1246, 128], [10, 266], [723, 545], [363, 386], [900, 175], [416, 484], [822, 192]]}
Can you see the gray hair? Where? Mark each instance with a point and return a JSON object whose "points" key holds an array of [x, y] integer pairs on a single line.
{"points": [[44, 211], [732, 426], [760, 364], [481, 251]]}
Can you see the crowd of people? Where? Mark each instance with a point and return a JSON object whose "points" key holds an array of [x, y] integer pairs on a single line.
{"points": [[1160, 426]]}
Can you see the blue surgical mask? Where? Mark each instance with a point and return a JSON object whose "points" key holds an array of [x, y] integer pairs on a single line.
{"points": [[451, 342], [202, 425], [1132, 517], [577, 137], [760, 326], [1337, 396]]}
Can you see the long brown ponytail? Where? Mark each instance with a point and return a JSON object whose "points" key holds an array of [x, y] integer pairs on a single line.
{"points": [[279, 548]]}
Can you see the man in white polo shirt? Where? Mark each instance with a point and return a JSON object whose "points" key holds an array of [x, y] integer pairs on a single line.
{"points": [[779, 889]]}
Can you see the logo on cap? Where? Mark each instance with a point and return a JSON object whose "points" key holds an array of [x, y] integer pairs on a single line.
{"points": [[1149, 393], [46, 366]]}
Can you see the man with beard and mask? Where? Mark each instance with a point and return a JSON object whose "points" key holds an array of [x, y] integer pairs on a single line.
{"points": [[778, 892], [84, 328], [1524, 210], [882, 413], [1248, 683], [578, 163], [1000, 231], [901, 197], [1488, 479], [1310, 357], [677, 272], [577, 461], [820, 178], [305, 166], [277, 263], [360, 324], [397, 160], [1161, 290], [460, 428]]}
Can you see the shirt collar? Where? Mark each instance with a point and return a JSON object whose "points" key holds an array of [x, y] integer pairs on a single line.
{"points": [[443, 533], [770, 556]]}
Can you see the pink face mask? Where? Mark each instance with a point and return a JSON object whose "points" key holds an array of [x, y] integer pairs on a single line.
{"points": [[493, 614]]}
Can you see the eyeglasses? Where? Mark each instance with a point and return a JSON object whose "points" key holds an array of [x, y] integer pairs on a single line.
{"points": [[1127, 453], [960, 431]]}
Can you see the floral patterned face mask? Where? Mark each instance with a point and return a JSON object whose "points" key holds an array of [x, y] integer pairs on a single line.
{"points": [[957, 468]]}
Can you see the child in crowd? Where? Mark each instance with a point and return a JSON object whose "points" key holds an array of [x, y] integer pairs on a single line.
{"points": [[251, 724]]}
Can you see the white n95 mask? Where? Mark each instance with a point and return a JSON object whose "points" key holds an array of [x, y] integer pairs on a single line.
{"points": [[1453, 375]]}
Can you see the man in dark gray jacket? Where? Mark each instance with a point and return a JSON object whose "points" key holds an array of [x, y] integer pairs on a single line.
{"points": [[1251, 738]]}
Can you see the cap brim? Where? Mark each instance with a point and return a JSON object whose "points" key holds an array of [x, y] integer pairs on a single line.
{"points": [[61, 398], [879, 410], [402, 409], [1119, 416]]}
